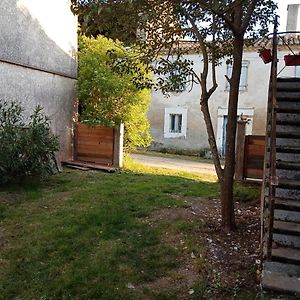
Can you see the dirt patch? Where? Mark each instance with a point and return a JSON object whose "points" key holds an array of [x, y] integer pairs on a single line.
{"points": [[213, 264]]}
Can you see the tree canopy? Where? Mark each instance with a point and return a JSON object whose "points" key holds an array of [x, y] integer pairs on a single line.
{"points": [[109, 97]]}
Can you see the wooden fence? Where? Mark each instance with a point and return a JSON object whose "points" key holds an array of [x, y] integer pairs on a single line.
{"points": [[97, 144], [254, 156]]}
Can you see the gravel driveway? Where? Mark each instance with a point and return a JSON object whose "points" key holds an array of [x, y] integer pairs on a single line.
{"points": [[175, 164]]}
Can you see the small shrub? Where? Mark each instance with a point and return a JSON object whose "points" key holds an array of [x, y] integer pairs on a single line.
{"points": [[205, 153], [245, 192], [26, 149]]}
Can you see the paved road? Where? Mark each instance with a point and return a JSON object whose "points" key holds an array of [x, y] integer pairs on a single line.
{"points": [[175, 164]]}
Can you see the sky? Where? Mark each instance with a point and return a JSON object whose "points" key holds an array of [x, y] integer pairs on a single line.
{"points": [[282, 11]]}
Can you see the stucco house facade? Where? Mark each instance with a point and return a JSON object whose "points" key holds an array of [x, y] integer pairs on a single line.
{"points": [[38, 44], [177, 121]]}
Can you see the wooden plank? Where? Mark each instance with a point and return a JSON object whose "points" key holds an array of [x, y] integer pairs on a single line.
{"points": [[89, 133], [90, 165], [255, 150], [100, 161], [94, 148], [255, 164], [94, 144], [95, 153], [254, 156], [87, 155], [254, 173]]}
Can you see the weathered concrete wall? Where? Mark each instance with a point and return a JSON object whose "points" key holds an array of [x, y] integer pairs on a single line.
{"points": [[37, 35], [254, 98]]}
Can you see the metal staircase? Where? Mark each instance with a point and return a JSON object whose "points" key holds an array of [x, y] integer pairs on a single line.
{"points": [[280, 234]]}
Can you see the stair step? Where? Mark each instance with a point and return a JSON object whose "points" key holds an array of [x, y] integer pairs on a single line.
{"points": [[285, 203], [290, 204], [288, 122], [288, 135], [287, 149], [287, 215], [281, 277], [288, 86], [288, 96], [289, 184], [289, 269], [286, 240], [288, 110], [287, 165], [287, 227], [280, 282], [288, 79], [287, 255]]}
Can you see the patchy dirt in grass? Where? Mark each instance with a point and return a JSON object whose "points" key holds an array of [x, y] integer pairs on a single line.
{"points": [[213, 264]]}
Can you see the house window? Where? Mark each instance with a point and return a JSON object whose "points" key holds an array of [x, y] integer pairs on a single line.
{"points": [[244, 75], [175, 122]]}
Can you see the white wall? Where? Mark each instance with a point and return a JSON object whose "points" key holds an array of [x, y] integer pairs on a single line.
{"points": [[254, 99]]}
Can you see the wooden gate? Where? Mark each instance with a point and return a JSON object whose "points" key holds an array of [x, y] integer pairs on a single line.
{"points": [[254, 156], [94, 144]]}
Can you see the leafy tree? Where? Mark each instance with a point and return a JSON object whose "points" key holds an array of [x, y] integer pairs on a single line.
{"points": [[220, 29], [108, 96], [107, 18]]}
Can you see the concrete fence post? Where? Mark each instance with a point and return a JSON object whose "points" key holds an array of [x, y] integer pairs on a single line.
{"points": [[240, 149], [118, 146]]}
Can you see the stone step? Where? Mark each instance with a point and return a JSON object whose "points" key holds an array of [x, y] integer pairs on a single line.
{"points": [[286, 240], [284, 192], [289, 110], [291, 228], [288, 86], [287, 204], [287, 215], [285, 165], [286, 255], [288, 135], [288, 79], [288, 122], [280, 277], [289, 184], [287, 149], [288, 165], [287, 96]]}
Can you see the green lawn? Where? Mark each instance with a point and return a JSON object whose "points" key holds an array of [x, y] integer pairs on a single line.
{"points": [[85, 235]]}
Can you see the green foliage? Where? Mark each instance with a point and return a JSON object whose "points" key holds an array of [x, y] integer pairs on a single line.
{"points": [[246, 192], [25, 149], [113, 19], [109, 96]]}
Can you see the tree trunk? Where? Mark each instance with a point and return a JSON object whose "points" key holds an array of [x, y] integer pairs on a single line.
{"points": [[227, 202], [211, 138]]}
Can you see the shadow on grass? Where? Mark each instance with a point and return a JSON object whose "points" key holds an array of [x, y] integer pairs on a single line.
{"points": [[85, 235]]}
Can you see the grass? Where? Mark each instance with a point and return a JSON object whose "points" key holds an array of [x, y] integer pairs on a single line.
{"points": [[82, 235]]}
